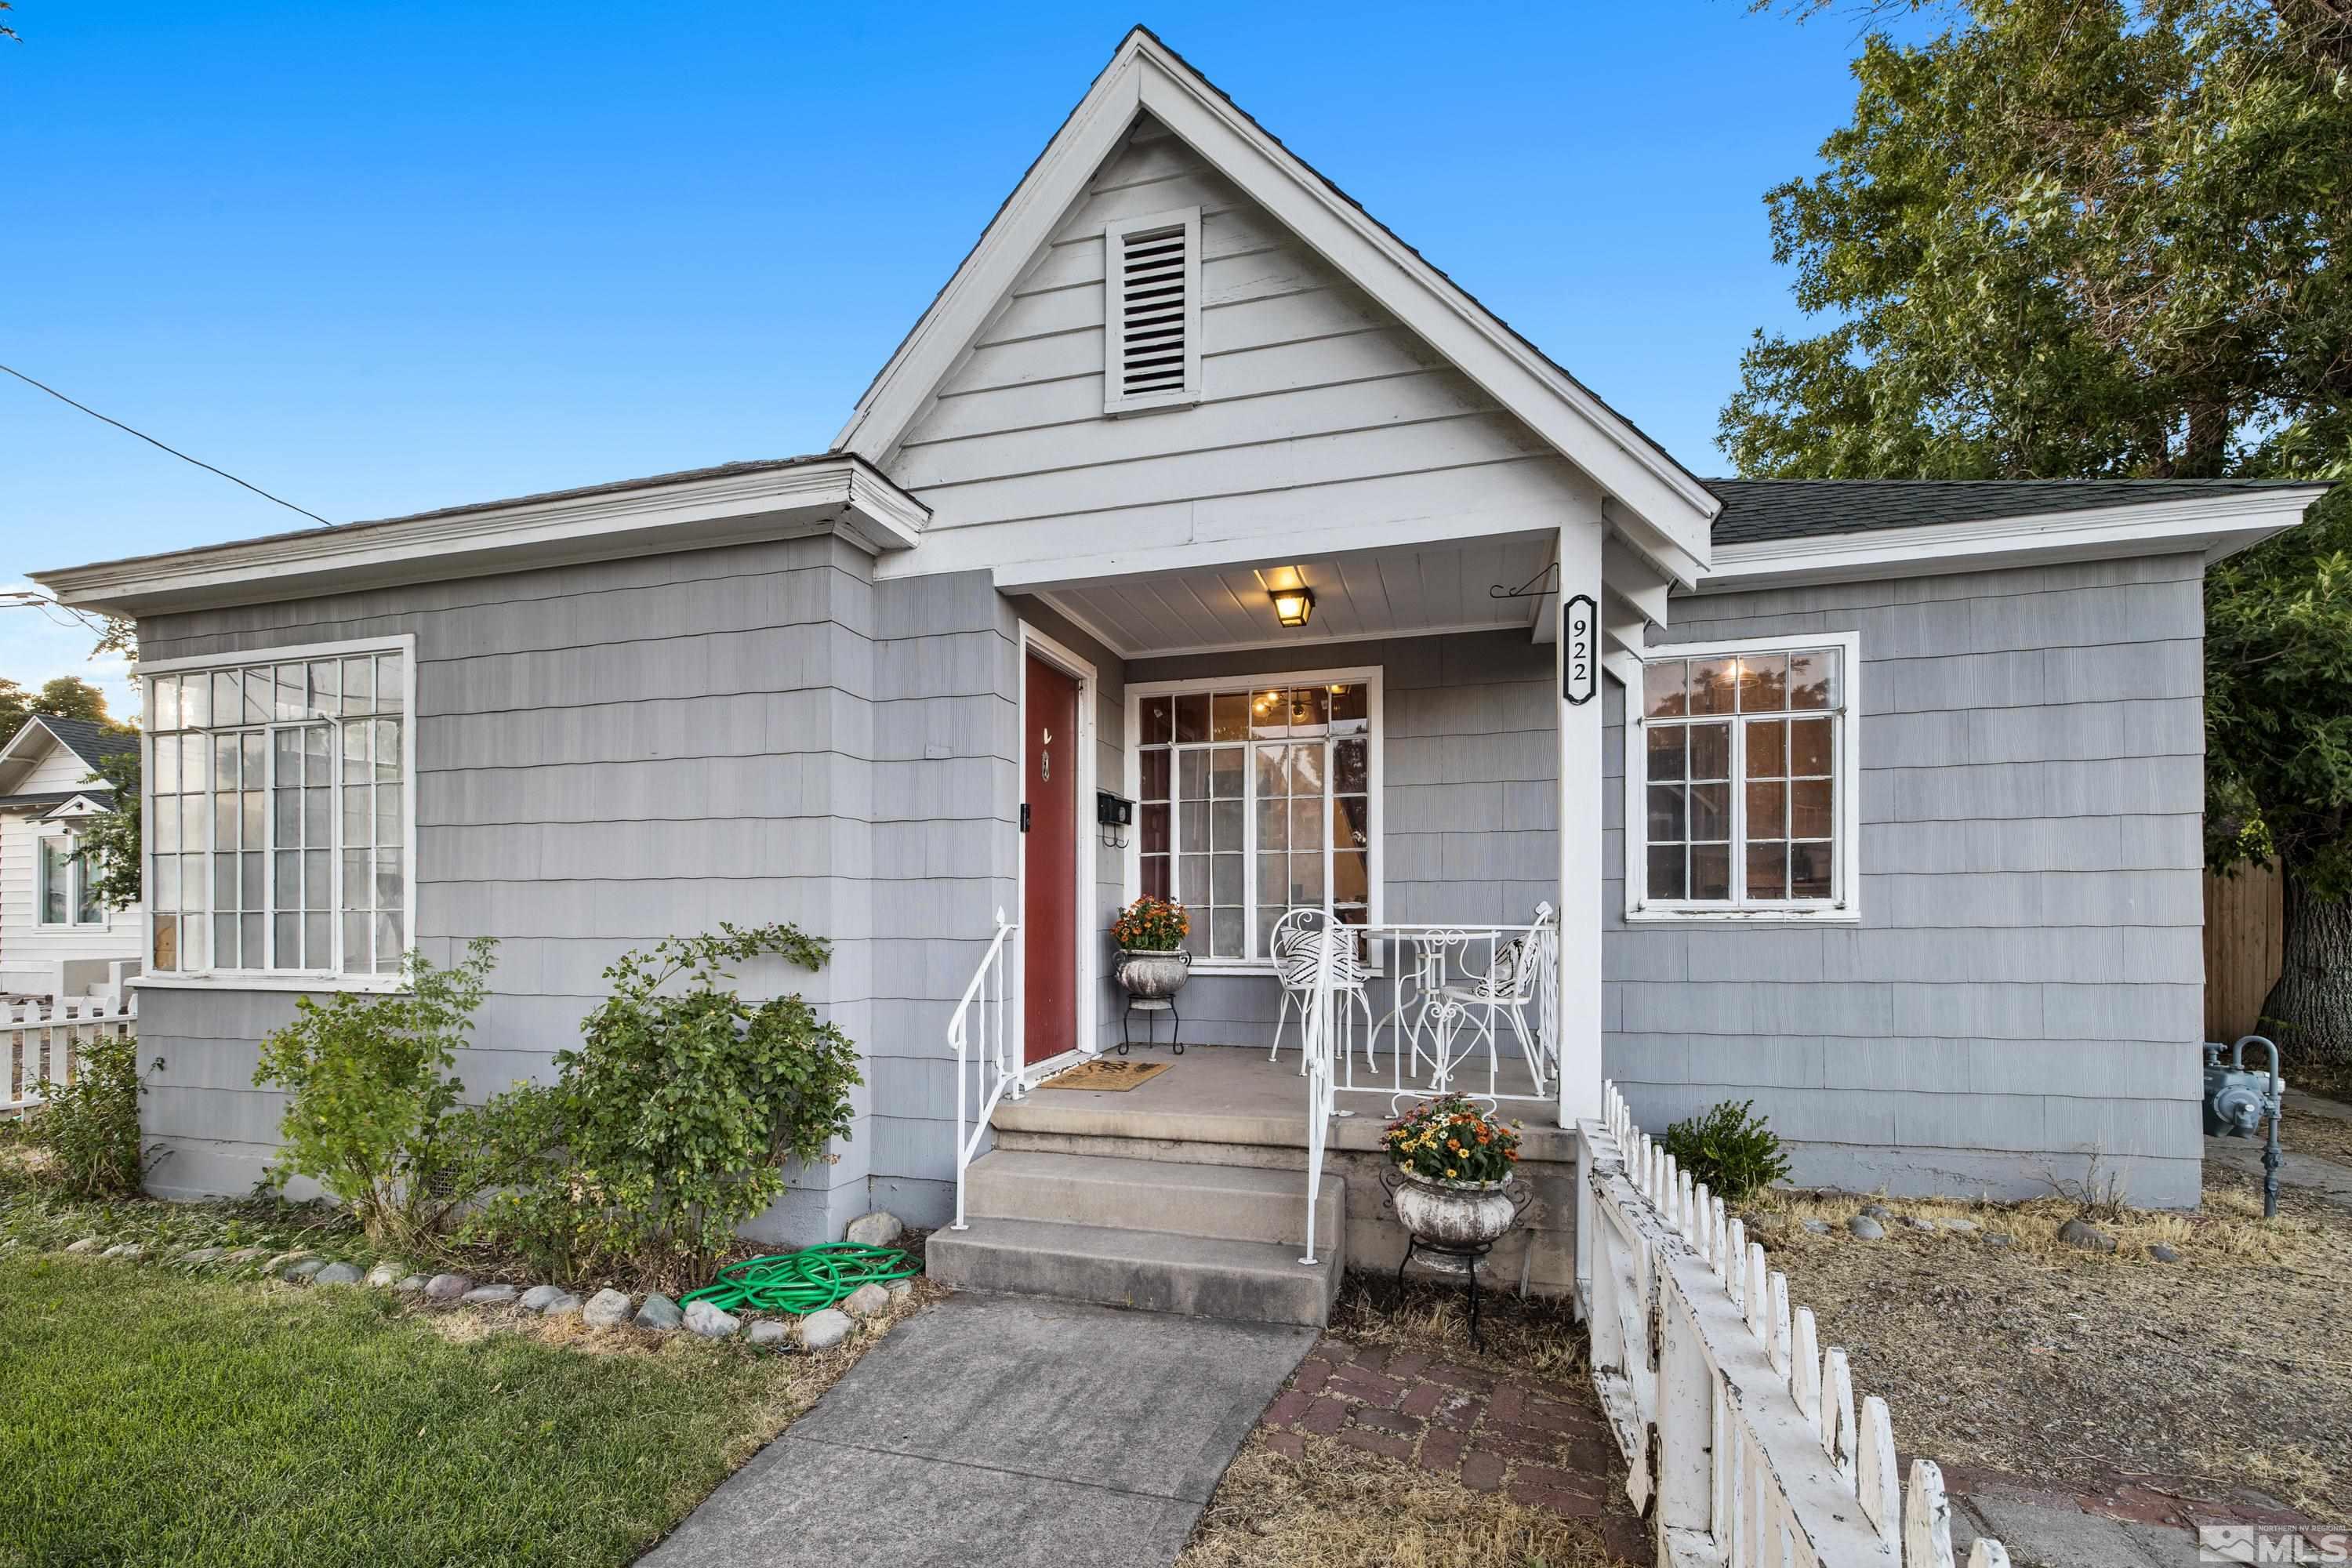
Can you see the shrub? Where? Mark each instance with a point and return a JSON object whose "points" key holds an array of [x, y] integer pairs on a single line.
{"points": [[372, 1114], [89, 1128], [1737, 1155], [674, 1122]]}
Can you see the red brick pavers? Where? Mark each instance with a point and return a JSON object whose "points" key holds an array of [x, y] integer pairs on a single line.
{"points": [[1540, 1442]]}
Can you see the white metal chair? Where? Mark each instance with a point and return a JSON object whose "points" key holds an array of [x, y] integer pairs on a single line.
{"points": [[1514, 982], [1292, 947]]}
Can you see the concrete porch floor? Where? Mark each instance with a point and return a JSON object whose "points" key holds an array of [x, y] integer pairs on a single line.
{"points": [[1234, 1095]]}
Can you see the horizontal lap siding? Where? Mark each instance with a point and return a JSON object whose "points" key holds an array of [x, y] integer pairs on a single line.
{"points": [[1317, 405], [2024, 992], [607, 754]]}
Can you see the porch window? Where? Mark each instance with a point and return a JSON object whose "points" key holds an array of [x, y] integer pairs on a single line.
{"points": [[65, 896], [1258, 798], [1739, 774], [278, 813]]}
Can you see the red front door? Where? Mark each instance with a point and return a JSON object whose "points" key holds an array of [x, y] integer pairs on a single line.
{"points": [[1049, 850]]}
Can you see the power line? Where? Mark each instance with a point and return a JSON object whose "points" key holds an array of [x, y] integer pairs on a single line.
{"points": [[151, 441]]}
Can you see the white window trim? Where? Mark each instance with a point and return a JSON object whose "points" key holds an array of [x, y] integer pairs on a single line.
{"points": [[1115, 234], [1131, 867], [1845, 907], [322, 980], [77, 879]]}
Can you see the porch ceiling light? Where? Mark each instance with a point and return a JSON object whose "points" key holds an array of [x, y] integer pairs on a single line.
{"points": [[1292, 606]]}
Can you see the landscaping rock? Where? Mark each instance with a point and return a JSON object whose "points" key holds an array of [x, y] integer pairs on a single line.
{"points": [[537, 1296], [823, 1331], [2002, 1239], [87, 1243], [409, 1284], [446, 1287], [305, 1272], [129, 1251], [880, 1228], [2163, 1254], [1912, 1221], [1818, 1226], [867, 1301], [768, 1331], [243, 1255], [565, 1305], [338, 1274], [1965, 1226], [659, 1313], [605, 1309], [1862, 1225], [282, 1259], [202, 1255], [383, 1276], [900, 1288], [1878, 1211], [710, 1322], [490, 1296], [2089, 1238]]}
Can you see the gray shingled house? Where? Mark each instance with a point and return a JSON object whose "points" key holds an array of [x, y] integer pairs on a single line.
{"points": [[1203, 539]]}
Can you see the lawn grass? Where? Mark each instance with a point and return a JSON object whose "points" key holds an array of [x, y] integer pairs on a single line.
{"points": [[156, 1418]]}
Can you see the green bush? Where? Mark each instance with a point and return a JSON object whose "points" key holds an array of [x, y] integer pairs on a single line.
{"points": [[372, 1114], [89, 1128], [1737, 1155], [673, 1122]]}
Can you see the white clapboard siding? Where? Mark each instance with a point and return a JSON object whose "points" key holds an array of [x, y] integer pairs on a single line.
{"points": [[40, 1041], [1741, 1437]]}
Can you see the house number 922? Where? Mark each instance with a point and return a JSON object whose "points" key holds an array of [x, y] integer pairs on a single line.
{"points": [[1579, 660]]}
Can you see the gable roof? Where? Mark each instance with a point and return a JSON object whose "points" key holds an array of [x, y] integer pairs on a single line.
{"points": [[89, 741], [1755, 511], [1669, 507]]}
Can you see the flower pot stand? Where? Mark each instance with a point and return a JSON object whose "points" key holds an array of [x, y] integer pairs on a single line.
{"points": [[1466, 1257], [1148, 1006], [1465, 1251]]}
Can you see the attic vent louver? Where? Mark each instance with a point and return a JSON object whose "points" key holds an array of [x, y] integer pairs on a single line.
{"points": [[1151, 356]]}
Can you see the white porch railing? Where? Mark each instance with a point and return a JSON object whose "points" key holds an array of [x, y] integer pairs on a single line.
{"points": [[1321, 1040], [43, 1039], [981, 1071], [1738, 1431]]}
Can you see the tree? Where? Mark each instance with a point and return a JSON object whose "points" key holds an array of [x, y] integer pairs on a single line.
{"points": [[66, 697], [2087, 238]]}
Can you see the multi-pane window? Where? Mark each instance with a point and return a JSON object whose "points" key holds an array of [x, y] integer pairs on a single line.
{"points": [[1255, 800], [1740, 762], [277, 819], [65, 895]]}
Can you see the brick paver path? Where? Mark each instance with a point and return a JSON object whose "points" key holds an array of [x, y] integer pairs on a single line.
{"points": [[1543, 1443]]}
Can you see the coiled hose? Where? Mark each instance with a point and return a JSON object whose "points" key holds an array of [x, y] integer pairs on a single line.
{"points": [[808, 1281]]}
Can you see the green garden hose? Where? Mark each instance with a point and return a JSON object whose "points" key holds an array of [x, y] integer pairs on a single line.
{"points": [[805, 1281]]}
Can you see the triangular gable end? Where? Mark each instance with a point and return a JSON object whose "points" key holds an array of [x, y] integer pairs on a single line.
{"points": [[1664, 508]]}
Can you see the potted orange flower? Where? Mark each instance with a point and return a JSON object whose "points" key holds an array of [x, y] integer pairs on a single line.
{"points": [[1456, 1162], [1153, 959]]}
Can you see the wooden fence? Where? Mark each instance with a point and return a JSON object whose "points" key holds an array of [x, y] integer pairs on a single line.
{"points": [[40, 1040], [1742, 1440], [2244, 927]]}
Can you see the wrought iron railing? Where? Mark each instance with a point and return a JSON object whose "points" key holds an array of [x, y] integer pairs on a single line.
{"points": [[976, 1033]]}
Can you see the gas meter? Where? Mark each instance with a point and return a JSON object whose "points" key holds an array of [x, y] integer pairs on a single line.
{"points": [[2238, 1102]]}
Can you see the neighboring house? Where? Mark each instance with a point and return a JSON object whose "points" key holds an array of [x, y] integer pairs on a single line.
{"points": [[56, 938], [1921, 876]]}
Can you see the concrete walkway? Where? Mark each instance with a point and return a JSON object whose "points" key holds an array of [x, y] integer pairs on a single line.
{"points": [[1001, 1430]]}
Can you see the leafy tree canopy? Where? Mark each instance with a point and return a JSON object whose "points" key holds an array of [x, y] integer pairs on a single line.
{"points": [[66, 697]]}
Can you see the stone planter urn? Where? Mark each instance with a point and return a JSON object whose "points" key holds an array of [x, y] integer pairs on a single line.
{"points": [[1454, 1216], [1154, 975]]}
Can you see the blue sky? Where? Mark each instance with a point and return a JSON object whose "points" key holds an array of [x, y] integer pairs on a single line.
{"points": [[377, 259]]}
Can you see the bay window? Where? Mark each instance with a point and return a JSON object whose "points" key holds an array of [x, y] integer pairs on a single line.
{"points": [[1256, 797], [1740, 780], [278, 812]]}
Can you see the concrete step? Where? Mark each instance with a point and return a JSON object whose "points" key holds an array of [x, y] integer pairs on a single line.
{"points": [[1227, 1202], [1150, 1270]]}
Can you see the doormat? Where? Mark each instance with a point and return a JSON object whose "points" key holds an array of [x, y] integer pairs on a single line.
{"points": [[1105, 1073]]}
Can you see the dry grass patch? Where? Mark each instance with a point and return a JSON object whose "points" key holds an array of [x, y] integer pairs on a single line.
{"points": [[1535, 1338], [2328, 1137], [1334, 1507], [2083, 1371]]}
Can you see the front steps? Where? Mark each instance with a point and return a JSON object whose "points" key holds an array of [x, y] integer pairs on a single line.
{"points": [[1161, 1236]]}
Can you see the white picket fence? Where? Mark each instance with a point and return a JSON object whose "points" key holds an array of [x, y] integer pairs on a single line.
{"points": [[1739, 1431], [43, 1037]]}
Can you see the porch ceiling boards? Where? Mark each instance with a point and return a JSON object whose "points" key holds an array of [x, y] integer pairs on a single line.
{"points": [[1395, 592]]}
